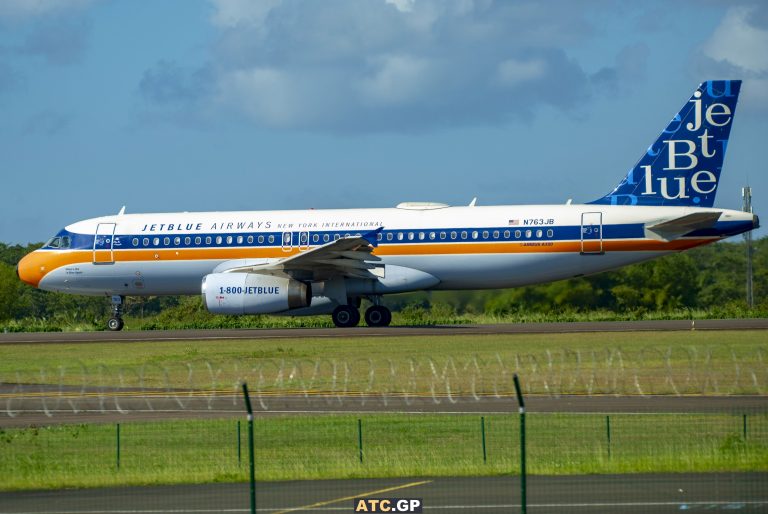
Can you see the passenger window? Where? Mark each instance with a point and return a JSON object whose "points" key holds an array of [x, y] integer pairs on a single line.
{"points": [[198, 240], [453, 235], [239, 240], [389, 236], [250, 239], [463, 234], [218, 240], [539, 233], [474, 234], [187, 240], [326, 238], [550, 233], [145, 241], [135, 241], [517, 234], [260, 239], [271, 238], [528, 234], [166, 241], [506, 234], [315, 238], [229, 240], [208, 240], [177, 240], [495, 234], [421, 236], [442, 235], [485, 234], [156, 241], [399, 236], [432, 236]]}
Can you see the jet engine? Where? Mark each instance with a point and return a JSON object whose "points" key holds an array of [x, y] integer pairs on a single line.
{"points": [[252, 293]]}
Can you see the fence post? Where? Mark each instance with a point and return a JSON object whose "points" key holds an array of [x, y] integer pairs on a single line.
{"points": [[360, 438], [250, 447], [608, 433], [523, 489], [117, 441], [744, 427], [239, 449], [482, 432]]}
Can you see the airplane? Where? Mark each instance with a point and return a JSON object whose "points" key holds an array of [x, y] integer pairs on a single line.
{"points": [[304, 262]]}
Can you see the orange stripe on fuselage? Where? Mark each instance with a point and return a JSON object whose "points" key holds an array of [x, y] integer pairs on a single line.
{"points": [[34, 266]]}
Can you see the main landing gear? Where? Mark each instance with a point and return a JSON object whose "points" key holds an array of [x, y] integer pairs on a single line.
{"points": [[115, 323], [348, 316]]}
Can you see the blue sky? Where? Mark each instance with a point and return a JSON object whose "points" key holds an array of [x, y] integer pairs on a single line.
{"points": [[182, 105]]}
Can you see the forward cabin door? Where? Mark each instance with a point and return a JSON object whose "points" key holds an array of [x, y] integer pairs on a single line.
{"points": [[103, 243], [592, 233]]}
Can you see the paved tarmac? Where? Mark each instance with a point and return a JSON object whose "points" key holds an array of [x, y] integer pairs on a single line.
{"points": [[396, 331], [658, 493]]}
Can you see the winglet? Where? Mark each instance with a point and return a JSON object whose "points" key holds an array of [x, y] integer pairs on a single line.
{"points": [[373, 236]]}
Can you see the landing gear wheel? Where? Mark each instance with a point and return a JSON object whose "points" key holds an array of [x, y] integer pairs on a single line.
{"points": [[345, 316], [378, 316], [115, 324]]}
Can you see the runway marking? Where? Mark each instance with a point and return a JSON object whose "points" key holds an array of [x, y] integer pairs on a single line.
{"points": [[725, 505], [359, 495]]}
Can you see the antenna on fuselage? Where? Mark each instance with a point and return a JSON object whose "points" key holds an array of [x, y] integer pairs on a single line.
{"points": [[122, 211], [473, 202]]}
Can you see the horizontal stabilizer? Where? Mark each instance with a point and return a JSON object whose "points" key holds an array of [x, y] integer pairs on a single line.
{"points": [[672, 229]]}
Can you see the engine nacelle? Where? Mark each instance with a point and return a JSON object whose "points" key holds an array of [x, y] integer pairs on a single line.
{"points": [[251, 293]]}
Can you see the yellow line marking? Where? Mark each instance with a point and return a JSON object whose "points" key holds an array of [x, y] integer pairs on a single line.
{"points": [[361, 495]]}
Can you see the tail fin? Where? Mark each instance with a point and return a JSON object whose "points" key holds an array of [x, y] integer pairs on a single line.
{"points": [[683, 166]]}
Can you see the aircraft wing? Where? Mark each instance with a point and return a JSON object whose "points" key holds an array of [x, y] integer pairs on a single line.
{"points": [[347, 257], [669, 230]]}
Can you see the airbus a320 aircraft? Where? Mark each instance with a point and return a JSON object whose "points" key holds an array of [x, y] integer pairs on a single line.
{"points": [[324, 261]]}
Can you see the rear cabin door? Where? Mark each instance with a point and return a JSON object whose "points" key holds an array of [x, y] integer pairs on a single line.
{"points": [[592, 233], [103, 243]]}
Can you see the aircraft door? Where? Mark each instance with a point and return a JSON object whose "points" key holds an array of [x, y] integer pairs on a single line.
{"points": [[287, 241], [103, 243], [591, 232]]}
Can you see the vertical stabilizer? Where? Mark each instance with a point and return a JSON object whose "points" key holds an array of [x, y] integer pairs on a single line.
{"points": [[683, 166]]}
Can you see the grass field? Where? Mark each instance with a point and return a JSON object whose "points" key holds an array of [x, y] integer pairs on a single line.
{"points": [[394, 445], [694, 362]]}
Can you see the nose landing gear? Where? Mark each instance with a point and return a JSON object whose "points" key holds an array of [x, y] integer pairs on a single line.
{"points": [[116, 323]]}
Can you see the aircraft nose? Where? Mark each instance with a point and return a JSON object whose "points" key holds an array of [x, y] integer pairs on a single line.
{"points": [[30, 269]]}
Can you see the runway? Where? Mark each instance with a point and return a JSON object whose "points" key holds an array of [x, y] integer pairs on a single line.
{"points": [[395, 331], [658, 493]]}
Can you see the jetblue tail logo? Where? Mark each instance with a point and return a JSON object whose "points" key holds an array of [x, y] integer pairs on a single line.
{"points": [[683, 166]]}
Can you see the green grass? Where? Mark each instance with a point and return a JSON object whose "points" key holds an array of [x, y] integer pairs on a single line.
{"points": [[395, 445], [691, 362]]}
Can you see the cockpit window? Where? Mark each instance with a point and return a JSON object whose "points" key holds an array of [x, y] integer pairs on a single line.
{"points": [[59, 242]]}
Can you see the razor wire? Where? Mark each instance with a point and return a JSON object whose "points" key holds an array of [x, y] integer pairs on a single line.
{"points": [[334, 383]]}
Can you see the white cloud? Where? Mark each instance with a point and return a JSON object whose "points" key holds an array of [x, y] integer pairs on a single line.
{"points": [[21, 9], [230, 13], [736, 41], [738, 49], [351, 65], [397, 79], [514, 71]]}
